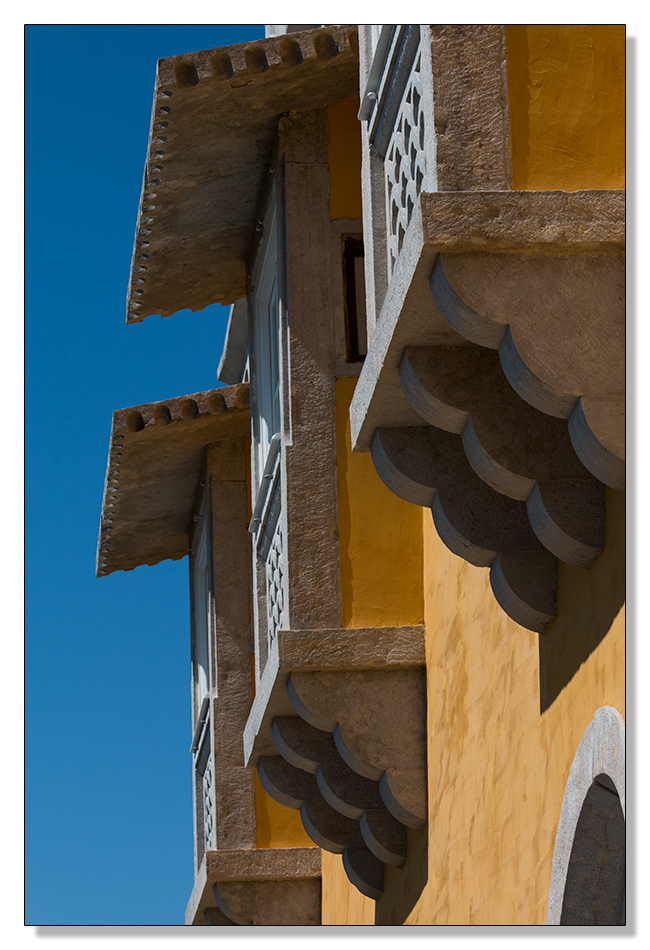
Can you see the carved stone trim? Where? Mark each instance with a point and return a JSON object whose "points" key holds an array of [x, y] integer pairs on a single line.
{"points": [[261, 886], [601, 752], [355, 648], [518, 370], [353, 761], [154, 464], [184, 255]]}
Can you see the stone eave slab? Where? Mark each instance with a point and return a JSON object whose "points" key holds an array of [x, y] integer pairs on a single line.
{"points": [[357, 648], [258, 864], [155, 459], [213, 122], [496, 222]]}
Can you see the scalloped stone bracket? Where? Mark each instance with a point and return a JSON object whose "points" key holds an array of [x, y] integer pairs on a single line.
{"points": [[258, 887], [493, 387], [558, 324], [353, 761], [428, 467], [559, 249], [338, 732], [514, 448]]}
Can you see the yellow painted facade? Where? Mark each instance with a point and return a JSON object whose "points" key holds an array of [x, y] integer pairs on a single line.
{"points": [[506, 708], [344, 155], [566, 90], [380, 538]]}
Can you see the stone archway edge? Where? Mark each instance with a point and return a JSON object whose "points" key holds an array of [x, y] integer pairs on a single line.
{"points": [[601, 750]]}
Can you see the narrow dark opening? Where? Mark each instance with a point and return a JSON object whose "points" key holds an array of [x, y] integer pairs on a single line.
{"points": [[594, 893], [355, 300]]}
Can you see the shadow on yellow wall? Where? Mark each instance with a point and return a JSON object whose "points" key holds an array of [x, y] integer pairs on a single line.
{"points": [[587, 604]]}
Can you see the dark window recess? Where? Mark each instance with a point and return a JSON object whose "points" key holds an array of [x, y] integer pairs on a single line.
{"points": [[594, 894], [355, 300]]}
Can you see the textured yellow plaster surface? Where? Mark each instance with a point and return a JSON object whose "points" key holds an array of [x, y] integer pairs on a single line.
{"points": [[380, 545], [501, 741], [342, 903], [275, 825], [566, 91], [501, 745], [380, 537], [344, 155]]}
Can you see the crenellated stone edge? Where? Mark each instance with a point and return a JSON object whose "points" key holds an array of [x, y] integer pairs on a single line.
{"points": [[144, 421], [235, 66]]}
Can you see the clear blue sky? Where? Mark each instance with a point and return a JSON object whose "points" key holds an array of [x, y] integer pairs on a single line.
{"points": [[108, 778]]}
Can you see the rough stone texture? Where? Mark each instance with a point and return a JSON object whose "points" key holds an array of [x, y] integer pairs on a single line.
{"points": [[353, 761], [601, 752], [333, 649], [214, 118], [470, 95], [309, 451], [269, 903], [521, 223], [258, 865], [153, 470], [533, 222], [232, 647]]}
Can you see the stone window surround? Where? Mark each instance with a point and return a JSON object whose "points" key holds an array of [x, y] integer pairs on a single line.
{"points": [[601, 751]]}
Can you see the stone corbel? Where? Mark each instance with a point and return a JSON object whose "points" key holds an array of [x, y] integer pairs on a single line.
{"points": [[342, 739], [260, 886], [497, 399]]}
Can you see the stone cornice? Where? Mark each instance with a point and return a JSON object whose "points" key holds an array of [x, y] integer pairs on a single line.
{"points": [[213, 121], [155, 458]]}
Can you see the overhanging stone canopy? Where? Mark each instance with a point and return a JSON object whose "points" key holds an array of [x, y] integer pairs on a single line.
{"points": [[155, 459], [494, 391], [213, 123]]}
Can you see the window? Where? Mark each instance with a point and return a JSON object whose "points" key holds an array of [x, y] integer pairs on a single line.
{"points": [[355, 300], [266, 309], [201, 748], [594, 894]]}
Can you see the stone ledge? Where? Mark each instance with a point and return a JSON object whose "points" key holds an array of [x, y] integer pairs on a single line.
{"points": [[547, 222], [522, 223], [255, 866], [346, 648]]}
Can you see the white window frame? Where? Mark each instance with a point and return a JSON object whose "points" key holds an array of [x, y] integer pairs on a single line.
{"points": [[265, 304]]}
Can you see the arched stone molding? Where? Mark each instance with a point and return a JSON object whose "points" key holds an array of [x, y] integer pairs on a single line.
{"points": [[601, 751]]}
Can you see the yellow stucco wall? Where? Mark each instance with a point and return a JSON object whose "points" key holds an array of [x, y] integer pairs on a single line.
{"points": [[381, 561], [501, 738], [275, 825], [506, 712], [380, 537], [344, 156], [566, 91]]}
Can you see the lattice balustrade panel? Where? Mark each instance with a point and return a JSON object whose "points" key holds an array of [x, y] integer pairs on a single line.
{"points": [[275, 584], [405, 164], [209, 806]]}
